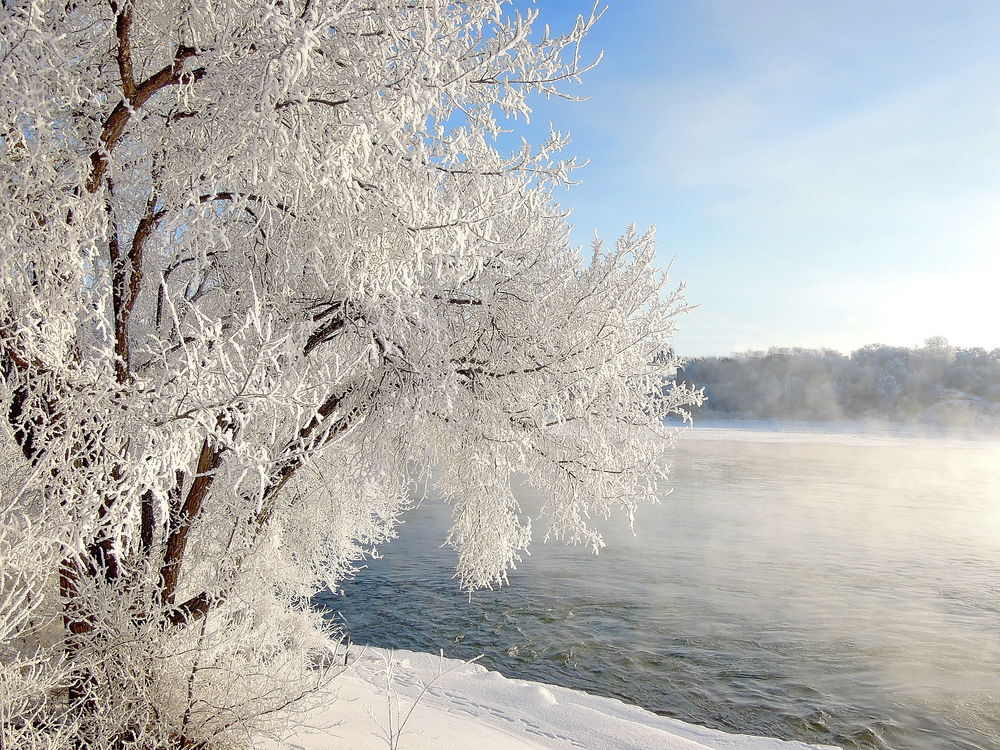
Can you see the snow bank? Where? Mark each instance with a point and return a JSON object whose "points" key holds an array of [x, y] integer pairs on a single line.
{"points": [[467, 707]]}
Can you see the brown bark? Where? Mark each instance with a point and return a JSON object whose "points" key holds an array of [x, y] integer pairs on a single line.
{"points": [[127, 275], [327, 330], [193, 609], [114, 125], [123, 31], [209, 461], [147, 522], [75, 624]]}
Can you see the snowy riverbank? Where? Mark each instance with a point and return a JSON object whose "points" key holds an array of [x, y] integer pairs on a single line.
{"points": [[469, 707]]}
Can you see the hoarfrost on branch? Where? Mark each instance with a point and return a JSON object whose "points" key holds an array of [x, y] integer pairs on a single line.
{"points": [[264, 264]]}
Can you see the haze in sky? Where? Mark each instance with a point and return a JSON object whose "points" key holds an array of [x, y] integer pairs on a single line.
{"points": [[822, 173]]}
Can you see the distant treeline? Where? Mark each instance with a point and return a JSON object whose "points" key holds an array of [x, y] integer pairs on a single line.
{"points": [[935, 383]]}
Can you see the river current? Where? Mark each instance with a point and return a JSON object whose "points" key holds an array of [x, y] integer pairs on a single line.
{"points": [[824, 586]]}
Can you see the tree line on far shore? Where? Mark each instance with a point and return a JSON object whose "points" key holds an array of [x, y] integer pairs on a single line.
{"points": [[936, 383]]}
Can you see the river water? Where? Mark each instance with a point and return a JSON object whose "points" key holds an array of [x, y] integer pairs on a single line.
{"points": [[837, 588]]}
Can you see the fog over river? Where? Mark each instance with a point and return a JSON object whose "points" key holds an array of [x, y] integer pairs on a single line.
{"points": [[826, 585]]}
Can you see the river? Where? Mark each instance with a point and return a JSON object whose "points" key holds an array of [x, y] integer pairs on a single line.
{"points": [[823, 584]]}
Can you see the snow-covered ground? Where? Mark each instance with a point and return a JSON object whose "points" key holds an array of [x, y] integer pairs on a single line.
{"points": [[467, 707]]}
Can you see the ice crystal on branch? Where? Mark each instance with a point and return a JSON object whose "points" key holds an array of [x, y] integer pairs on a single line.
{"points": [[263, 264]]}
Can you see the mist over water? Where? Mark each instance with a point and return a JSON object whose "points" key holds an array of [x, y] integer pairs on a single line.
{"points": [[843, 591]]}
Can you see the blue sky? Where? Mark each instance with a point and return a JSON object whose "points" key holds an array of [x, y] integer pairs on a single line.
{"points": [[821, 172]]}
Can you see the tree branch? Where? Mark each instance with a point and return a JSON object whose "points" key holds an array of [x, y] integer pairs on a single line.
{"points": [[311, 100], [120, 116], [190, 610], [209, 461], [147, 522], [126, 283], [123, 29], [228, 195], [197, 606], [326, 331]]}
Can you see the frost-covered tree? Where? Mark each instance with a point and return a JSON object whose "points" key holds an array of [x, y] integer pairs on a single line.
{"points": [[935, 383], [264, 265]]}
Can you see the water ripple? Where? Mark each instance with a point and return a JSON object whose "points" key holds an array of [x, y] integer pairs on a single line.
{"points": [[845, 594]]}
